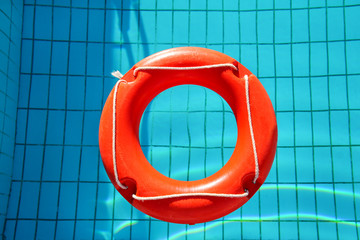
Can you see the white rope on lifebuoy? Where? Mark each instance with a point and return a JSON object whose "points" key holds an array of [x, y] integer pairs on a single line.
{"points": [[192, 195], [239, 195], [222, 65], [251, 128], [114, 136]]}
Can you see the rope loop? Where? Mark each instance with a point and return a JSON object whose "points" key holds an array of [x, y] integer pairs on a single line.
{"points": [[245, 194], [222, 65], [114, 136]]}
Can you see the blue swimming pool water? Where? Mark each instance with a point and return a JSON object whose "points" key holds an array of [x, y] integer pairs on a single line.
{"points": [[56, 57]]}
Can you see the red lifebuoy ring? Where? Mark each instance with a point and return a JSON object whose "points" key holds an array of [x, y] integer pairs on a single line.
{"points": [[193, 201]]}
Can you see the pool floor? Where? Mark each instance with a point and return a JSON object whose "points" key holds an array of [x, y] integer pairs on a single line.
{"points": [[56, 60]]}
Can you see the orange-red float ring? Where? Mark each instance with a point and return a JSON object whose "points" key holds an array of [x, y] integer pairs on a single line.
{"points": [[193, 202]]}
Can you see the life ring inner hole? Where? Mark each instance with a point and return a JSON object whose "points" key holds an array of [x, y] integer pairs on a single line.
{"points": [[188, 132]]}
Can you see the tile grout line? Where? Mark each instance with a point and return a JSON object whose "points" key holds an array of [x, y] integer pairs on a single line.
{"points": [[293, 115], [46, 128], [195, 10], [276, 154], [98, 151], [27, 123], [83, 121], [330, 133], [312, 125], [65, 120], [349, 120]]}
